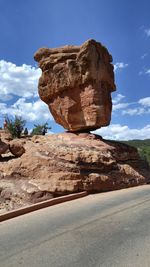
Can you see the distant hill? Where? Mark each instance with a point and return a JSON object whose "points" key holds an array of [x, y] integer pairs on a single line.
{"points": [[143, 147]]}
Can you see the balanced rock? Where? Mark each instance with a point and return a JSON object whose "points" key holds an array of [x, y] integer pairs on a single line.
{"points": [[76, 84]]}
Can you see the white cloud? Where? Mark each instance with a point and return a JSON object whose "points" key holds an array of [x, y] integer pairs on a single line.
{"points": [[119, 132], [21, 81], [145, 101], [147, 31], [147, 72], [120, 106], [117, 98], [116, 102], [144, 55], [30, 111], [144, 72], [120, 65], [134, 111], [140, 107]]}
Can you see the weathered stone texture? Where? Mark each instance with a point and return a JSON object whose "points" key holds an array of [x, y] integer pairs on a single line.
{"points": [[76, 83], [65, 163], [8, 145], [16, 148]]}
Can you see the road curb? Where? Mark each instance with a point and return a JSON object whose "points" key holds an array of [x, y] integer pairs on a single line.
{"points": [[41, 205]]}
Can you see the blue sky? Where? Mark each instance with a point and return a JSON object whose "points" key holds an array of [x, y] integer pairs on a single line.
{"points": [[123, 26]]}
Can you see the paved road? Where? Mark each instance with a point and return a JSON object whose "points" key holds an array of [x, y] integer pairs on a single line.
{"points": [[109, 230]]}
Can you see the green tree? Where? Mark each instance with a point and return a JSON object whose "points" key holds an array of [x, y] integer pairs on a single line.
{"points": [[15, 127], [143, 147], [40, 129]]}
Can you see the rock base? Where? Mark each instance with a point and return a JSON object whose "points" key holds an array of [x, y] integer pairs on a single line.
{"points": [[66, 163]]}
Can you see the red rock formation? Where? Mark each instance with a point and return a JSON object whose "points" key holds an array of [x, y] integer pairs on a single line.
{"points": [[76, 83], [3, 147], [16, 148], [66, 163], [8, 145]]}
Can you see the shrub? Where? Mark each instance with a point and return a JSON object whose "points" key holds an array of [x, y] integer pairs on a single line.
{"points": [[40, 129], [15, 127]]}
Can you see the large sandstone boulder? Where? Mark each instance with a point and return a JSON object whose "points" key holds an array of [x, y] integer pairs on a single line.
{"points": [[16, 147], [76, 83], [65, 163], [8, 145]]}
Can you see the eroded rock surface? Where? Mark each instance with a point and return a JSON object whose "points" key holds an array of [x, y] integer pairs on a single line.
{"points": [[8, 145], [16, 147], [3, 147], [76, 83], [65, 163]]}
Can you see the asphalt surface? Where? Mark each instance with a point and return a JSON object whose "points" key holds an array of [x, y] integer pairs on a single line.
{"points": [[109, 229]]}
